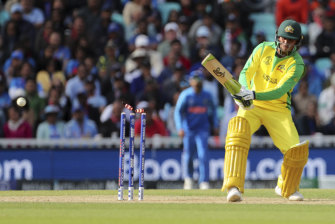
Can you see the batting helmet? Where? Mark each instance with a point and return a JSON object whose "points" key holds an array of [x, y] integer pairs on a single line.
{"points": [[289, 29]]}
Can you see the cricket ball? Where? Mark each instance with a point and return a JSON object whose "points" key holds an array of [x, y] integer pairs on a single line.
{"points": [[21, 101]]}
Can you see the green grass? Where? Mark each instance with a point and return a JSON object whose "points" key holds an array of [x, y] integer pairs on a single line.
{"points": [[161, 213]]}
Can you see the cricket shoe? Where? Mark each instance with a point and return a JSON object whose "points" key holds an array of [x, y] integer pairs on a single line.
{"points": [[234, 195], [204, 186], [296, 196], [188, 183]]}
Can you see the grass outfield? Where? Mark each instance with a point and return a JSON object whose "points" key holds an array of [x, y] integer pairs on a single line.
{"points": [[164, 206]]}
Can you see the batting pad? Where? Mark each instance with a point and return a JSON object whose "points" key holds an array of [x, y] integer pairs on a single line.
{"points": [[294, 162], [237, 147]]}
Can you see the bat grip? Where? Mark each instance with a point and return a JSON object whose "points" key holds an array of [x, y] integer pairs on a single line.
{"points": [[246, 103]]}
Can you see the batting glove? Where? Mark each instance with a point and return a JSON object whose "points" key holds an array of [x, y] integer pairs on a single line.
{"points": [[244, 104], [245, 94]]}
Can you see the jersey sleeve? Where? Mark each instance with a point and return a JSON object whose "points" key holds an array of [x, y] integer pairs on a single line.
{"points": [[179, 110], [292, 77]]}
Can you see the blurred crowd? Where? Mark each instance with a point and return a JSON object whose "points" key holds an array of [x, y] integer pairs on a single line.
{"points": [[79, 62]]}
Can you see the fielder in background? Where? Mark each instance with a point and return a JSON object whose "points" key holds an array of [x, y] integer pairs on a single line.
{"points": [[268, 78], [195, 116]]}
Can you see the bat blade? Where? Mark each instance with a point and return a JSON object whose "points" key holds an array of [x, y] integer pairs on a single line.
{"points": [[221, 74]]}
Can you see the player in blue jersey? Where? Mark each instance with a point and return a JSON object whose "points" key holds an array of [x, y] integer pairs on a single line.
{"points": [[195, 116]]}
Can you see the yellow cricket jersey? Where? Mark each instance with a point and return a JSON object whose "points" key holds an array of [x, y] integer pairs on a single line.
{"points": [[272, 78]]}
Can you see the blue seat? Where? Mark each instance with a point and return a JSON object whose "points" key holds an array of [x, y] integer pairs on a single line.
{"points": [[264, 22], [262, 18], [117, 17], [323, 64], [165, 9]]}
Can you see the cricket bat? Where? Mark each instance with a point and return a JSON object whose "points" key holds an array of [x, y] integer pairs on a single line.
{"points": [[223, 76]]}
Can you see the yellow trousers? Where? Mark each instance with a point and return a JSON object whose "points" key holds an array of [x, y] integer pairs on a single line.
{"points": [[279, 125]]}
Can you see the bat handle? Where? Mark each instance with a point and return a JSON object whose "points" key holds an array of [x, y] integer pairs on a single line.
{"points": [[246, 103]]}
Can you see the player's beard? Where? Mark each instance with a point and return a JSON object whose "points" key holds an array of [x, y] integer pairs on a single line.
{"points": [[284, 49]]}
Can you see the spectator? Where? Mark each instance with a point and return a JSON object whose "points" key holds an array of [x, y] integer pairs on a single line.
{"points": [[60, 21], [13, 65], [78, 30], [331, 70], [51, 74], [76, 84], [325, 41], [132, 12], [309, 123], [315, 28], [16, 125], [142, 44], [11, 37], [79, 54], [111, 126], [214, 29], [155, 25], [80, 126], [329, 128], [138, 56], [60, 51], [138, 84], [233, 32], [173, 85], [326, 102], [171, 32], [95, 101], [184, 28], [228, 60], [16, 86], [37, 104], [42, 37], [200, 10], [110, 58], [301, 98], [154, 125], [57, 97], [195, 116], [107, 78], [24, 28], [140, 28], [187, 8], [116, 34], [17, 83], [91, 13], [202, 47], [121, 91], [298, 10], [170, 123], [99, 37], [173, 16], [90, 63], [52, 127], [260, 38], [3, 120], [176, 49], [5, 100], [324, 4], [315, 78], [30, 13]]}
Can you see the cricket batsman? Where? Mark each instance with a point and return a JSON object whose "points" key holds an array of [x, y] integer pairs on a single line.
{"points": [[268, 78]]}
